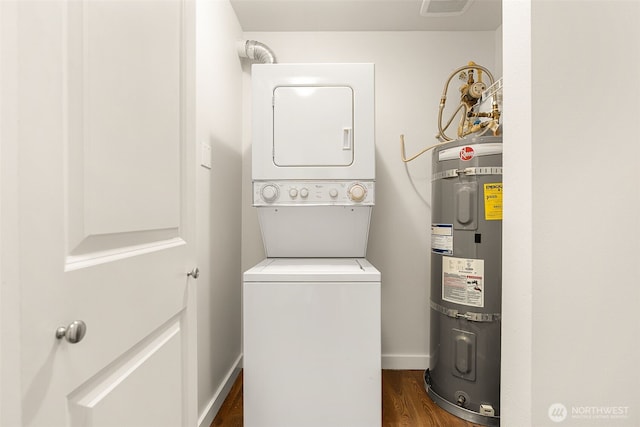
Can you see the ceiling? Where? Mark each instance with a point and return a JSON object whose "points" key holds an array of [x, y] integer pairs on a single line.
{"points": [[360, 15]]}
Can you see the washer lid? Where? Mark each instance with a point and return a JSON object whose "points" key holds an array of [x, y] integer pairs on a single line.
{"points": [[313, 270]]}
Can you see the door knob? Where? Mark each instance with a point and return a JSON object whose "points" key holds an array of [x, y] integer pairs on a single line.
{"points": [[195, 273], [73, 333]]}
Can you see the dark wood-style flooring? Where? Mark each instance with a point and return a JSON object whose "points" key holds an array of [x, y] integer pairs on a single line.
{"points": [[404, 403]]}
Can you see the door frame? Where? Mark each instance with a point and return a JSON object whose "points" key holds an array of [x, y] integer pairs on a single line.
{"points": [[188, 63], [10, 360]]}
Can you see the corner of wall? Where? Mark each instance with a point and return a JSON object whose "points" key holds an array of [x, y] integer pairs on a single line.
{"points": [[498, 60], [215, 403], [516, 373], [218, 125]]}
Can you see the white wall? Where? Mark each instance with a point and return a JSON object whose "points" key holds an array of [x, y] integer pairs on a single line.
{"points": [[586, 196], [219, 124], [498, 53], [411, 68], [573, 288]]}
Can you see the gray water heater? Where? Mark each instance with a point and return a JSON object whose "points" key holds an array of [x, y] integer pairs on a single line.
{"points": [[466, 278]]}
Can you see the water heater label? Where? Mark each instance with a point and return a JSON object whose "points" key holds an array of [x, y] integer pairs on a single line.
{"points": [[493, 201], [463, 281], [442, 239]]}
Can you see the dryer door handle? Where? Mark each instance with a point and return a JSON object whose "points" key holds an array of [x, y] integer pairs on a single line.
{"points": [[347, 138]]}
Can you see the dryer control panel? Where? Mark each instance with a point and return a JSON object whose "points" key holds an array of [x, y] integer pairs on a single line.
{"points": [[313, 193]]}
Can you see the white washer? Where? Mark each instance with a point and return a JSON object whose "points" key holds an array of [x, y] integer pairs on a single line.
{"points": [[312, 343]]}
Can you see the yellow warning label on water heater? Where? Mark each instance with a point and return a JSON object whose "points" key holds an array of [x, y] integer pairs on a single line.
{"points": [[493, 201]]}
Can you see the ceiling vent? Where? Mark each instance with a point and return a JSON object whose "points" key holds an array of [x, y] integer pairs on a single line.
{"points": [[439, 8]]}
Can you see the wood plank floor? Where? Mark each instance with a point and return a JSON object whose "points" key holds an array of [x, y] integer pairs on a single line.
{"points": [[404, 403]]}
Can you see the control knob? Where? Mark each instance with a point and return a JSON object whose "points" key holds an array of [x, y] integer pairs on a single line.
{"points": [[269, 193], [304, 193], [293, 193], [333, 193], [357, 192]]}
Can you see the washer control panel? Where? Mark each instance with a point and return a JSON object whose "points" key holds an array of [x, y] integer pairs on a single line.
{"points": [[294, 193]]}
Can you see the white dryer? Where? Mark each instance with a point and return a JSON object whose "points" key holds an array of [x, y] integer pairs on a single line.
{"points": [[312, 343], [313, 158]]}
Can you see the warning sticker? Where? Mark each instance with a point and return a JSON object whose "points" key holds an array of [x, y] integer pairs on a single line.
{"points": [[493, 201], [442, 238], [463, 281]]}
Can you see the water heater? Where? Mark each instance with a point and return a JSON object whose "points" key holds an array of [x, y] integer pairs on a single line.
{"points": [[466, 278], [466, 250]]}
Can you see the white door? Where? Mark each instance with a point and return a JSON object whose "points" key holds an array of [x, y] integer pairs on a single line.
{"points": [[99, 198]]}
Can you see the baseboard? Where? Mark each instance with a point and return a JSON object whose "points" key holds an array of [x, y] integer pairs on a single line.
{"points": [[405, 361], [210, 412]]}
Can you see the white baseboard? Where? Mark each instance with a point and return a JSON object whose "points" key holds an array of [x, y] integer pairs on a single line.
{"points": [[210, 412], [405, 361]]}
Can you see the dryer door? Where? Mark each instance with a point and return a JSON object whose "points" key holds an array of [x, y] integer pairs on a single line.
{"points": [[312, 126]]}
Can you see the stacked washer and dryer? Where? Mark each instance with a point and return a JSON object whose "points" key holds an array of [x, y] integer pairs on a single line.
{"points": [[311, 309]]}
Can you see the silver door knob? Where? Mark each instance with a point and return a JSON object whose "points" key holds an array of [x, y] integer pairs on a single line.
{"points": [[195, 273], [73, 333]]}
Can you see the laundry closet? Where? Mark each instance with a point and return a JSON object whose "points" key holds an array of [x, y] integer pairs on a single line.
{"points": [[390, 225], [129, 207], [410, 65]]}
